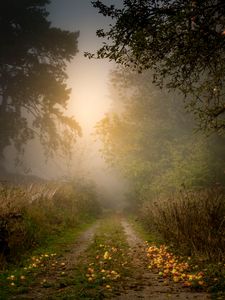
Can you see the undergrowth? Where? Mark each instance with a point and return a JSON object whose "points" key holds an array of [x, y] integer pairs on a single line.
{"points": [[36, 265], [193, 221], [192, 225], [31, 214]]}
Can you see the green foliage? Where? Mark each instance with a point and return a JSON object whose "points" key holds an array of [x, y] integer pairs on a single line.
{"points": [[152, 140], [33, 91], [182, 41]]}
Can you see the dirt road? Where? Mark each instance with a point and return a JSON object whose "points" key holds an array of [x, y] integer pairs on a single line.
{"points": [[108, 261], [146, 285], [53, 279]]}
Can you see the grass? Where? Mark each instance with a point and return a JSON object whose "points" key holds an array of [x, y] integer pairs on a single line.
{"points": [[99, 274], [18, 280], [142, 231], [105, 265], [193, 220], [30, 215], [60, 243], [214, 272]]}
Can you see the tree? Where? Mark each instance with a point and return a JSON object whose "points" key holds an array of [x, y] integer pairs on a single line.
{"points": [[182, 41], [33, 90], [151, 140]]}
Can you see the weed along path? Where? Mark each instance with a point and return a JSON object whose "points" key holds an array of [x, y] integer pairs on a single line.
{"points": [[45, 276], [107, 261], [145, 282]]}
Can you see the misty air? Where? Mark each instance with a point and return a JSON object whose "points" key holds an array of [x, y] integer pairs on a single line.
{"points": [[112, 139]]}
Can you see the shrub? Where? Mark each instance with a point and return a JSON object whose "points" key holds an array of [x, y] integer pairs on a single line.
{"points": [[31, 213], [194, 221]]}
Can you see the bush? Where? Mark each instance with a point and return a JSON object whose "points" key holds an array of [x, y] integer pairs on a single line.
{"points": [[31, 213], [193, 221]]}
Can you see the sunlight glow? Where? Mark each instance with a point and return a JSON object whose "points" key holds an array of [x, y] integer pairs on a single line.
{"points": [[89, 99]]}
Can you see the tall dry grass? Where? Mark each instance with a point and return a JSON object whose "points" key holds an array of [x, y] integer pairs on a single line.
{"points": [[193, 221], [30, 213]]}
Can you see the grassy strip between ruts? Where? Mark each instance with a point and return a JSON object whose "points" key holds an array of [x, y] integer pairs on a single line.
{"points": [[19, 279], [104, 266], [198, 273]]}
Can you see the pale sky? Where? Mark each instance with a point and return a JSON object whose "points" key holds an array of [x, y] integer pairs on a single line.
{"points": [[87, 78], [89, 100]]}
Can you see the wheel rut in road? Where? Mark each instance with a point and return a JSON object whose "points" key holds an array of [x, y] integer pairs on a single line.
{"points": [[144, 284], [66, 263], [139, 282]]}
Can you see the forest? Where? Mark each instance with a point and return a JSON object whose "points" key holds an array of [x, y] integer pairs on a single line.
{"points": [[134, 206]]}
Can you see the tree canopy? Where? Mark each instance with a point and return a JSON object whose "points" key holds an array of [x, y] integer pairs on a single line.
{"points": [[150, 140], [182, 41], [33, 90]]}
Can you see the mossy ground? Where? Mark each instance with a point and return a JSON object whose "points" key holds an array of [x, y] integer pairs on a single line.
{"points": [[103, 268], [18, 279]]}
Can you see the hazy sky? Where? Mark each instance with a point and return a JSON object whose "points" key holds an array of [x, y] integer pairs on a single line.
{"points": [[89, 98], [87, 78]]}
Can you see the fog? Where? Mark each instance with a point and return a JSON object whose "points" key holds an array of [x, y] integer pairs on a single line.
{"points": [[89, 101], [112, 141], [143, 133]]}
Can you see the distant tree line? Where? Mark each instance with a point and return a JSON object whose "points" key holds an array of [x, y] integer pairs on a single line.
{"points": [[151, 140]]}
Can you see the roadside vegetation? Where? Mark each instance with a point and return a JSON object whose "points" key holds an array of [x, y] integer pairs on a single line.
{"points": [[38, 265], [193, 221], [175, 260], [175, 173], [172, 160], [98, 273], [31, 215]]}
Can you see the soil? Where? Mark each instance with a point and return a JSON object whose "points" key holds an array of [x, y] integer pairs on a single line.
{"points": [[54, 274], [141, 284], [146, 285]]}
